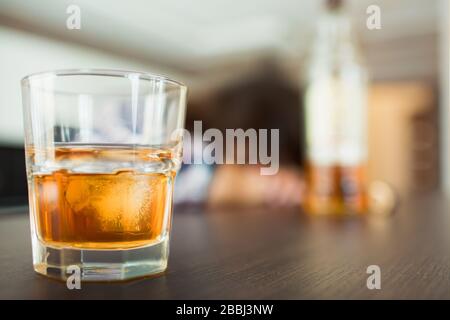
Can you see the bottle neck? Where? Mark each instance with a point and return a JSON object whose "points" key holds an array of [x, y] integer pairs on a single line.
{"points": [[334, 41]]}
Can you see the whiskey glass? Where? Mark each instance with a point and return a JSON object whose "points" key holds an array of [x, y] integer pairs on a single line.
{"points": [[102, 151]]}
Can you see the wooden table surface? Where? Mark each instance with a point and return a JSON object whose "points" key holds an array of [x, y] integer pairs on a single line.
{"points": [[271, 254]]}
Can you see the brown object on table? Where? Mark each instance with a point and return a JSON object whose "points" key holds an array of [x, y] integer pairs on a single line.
{"points": [[267, 255], [403, 136]]}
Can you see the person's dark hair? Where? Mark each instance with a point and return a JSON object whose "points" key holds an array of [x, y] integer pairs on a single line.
{"points": [[265, 100]]}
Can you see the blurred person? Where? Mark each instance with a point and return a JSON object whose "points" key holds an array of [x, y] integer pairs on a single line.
{"points": [[265, 100]]}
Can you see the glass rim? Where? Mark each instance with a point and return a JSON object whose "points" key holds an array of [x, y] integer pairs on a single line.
{"points": [[101, 73]]}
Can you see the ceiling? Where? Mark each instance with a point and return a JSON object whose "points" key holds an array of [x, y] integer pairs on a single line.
{"points": [[204, 36]]}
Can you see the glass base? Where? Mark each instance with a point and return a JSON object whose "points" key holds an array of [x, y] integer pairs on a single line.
{"points": [[100, 265]]}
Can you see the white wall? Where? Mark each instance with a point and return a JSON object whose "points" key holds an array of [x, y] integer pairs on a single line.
{"points": [[445, 91], [23, 53]]}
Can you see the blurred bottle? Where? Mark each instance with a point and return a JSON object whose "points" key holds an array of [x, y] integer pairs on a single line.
{"points": [[335, 102]]}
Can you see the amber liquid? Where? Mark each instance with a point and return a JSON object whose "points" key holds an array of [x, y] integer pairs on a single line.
{"points": [[336, 190], [110, 210]]}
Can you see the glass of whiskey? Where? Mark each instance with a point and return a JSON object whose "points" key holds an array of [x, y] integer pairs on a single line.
{"points": [[102, 151]]}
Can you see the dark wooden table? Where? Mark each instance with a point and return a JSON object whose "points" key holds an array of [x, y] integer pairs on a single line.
{"points": [[272, 254]]}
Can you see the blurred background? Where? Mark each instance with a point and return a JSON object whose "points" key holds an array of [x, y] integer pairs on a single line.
{"points": [[244, 63]]}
